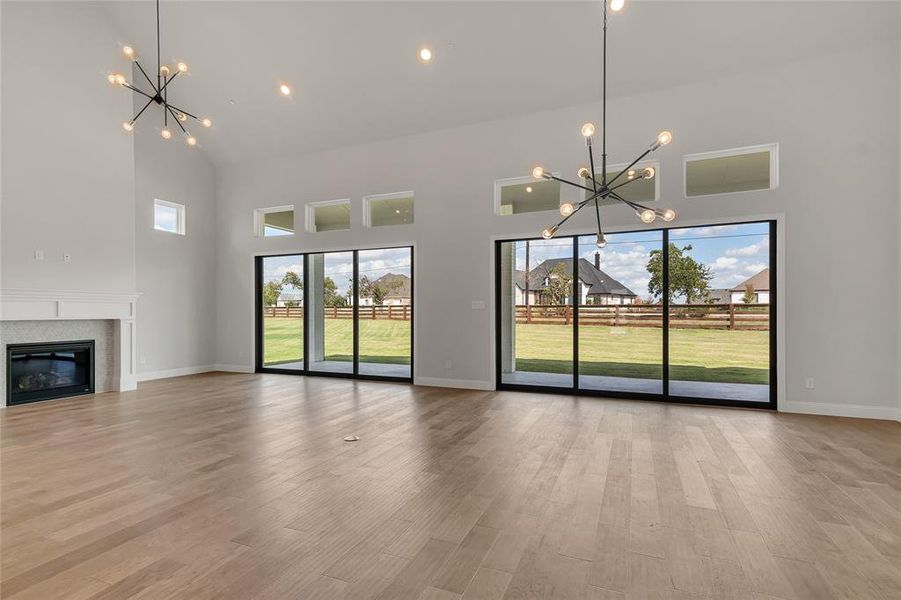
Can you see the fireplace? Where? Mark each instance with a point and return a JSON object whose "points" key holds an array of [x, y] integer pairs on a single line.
{"points": [[49, 370]]}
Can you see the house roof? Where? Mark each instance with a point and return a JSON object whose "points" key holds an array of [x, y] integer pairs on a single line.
{"points": [[598, 282], [291, 296], [398, 285], [721, 296], [760, 282]]}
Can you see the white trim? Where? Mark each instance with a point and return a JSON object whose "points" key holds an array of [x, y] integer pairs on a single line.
{"points": [[180, 372], [653, 162], [461, 384], [233, 368], [259, 222], [310, 213], [179, 219], [367, 206], [508, 181], [859, 411], [772, 148]]}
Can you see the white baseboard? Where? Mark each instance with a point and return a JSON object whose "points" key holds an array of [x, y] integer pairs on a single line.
{"points": [[860, 411], [180, 372], [233, 368], [463, 384]]}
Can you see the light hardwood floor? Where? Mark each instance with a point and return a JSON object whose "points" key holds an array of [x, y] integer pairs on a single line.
{"points": [[240, 486]]}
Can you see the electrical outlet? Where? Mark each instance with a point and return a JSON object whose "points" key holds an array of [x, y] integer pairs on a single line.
{"points": [[39, 255], [143, 360], [448, 364], [810, 384], [478, 305], [67, 257]]}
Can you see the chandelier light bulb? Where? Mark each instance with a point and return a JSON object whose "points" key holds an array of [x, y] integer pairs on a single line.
{"points": [[588, 130], [424, 55], [647, 216], [164, 71], [191, 140], [584, 173], [617, 5], [129, 52], [284, 89], [207, 123], [669, 215], [631, 174], [182, 67], [182, 117], [549, 232], [664, 138], [602, 240], [116, 79], [528, 189], [128, 126], [648, 172], [538, 172], [166, 134], [567, 209]]}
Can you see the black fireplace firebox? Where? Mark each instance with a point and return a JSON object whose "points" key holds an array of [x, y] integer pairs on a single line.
{"points": [[49, 370]]}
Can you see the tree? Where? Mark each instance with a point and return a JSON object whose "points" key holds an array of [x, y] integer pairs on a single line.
{"points": [[377, 290], [330, 295], [291, 279], [750, 296], [271, 291], [560, 284], [687, 277]]}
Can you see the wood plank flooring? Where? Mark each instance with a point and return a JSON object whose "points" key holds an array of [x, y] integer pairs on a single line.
{"points": [[240, 486]]}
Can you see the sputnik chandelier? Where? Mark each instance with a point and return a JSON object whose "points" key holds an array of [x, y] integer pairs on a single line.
{"points": [[600, 190], [159, 93]]}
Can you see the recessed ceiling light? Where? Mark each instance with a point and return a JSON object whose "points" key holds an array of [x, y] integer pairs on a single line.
{"points": [[284, 89], [424, 55]]}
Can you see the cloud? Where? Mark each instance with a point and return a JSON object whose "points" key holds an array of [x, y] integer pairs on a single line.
{"points": [[752, 250]]}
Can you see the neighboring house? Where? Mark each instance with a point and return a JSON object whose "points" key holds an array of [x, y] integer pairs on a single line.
{"points": [[720, 296], [596, 286], [294, 297], [761, 285], [399, 289]]}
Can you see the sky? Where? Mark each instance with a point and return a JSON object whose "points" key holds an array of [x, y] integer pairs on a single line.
{"points": [[339, 265], [733, 252]]}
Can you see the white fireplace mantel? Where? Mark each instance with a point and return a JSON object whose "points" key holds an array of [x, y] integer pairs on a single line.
{"points": [[44, 305]]}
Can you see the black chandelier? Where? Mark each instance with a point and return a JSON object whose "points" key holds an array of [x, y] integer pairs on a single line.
{"points": [[600, 190], [159, 93]]}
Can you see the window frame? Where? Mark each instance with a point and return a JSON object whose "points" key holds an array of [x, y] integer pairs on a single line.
{"points": [[259, 220], [367, 207], [310, 214], [499, 184], [180, 210], [772, 148]]}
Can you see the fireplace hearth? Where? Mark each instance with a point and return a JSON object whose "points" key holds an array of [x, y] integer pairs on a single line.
{"points": [[44, 371]]}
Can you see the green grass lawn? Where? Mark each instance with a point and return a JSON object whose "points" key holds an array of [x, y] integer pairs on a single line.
{"points": [[695, 354], [386, 342]]}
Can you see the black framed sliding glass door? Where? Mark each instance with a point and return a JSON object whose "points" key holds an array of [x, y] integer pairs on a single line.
{"points": [[346, 314], [683, 314]]}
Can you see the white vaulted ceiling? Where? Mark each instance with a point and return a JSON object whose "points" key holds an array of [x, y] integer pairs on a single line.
{"points": [[353, 67]]}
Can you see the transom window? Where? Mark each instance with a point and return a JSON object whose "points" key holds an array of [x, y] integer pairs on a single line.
{"points": [[169, 217], [729, 171], [274, 221]]}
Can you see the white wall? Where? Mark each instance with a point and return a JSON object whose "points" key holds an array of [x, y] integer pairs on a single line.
{"points": [[68, 167], [176, 275], [837, 225]]}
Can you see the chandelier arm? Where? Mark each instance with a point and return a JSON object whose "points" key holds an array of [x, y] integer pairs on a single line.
{"points": [[134, 89], [184, 112], [597, 214], [555, 178], [185, 131], [631, 164], [634, 205], [168, 81], [140, 112], [146, 76], [594, 180]]}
